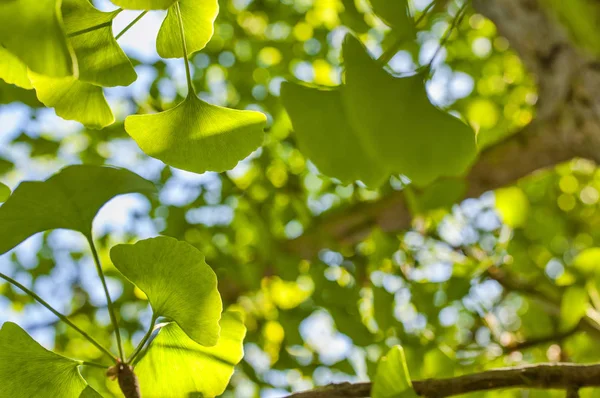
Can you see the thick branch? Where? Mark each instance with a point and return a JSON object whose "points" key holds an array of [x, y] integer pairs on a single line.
{"points": [[565, 376]]}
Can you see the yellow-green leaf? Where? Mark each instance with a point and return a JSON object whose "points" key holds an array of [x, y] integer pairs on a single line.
{"points": [[13, 70], [178, 282], [4, 192], [74, 100], [144, 4], [99, 57], [32, 30], [198, 18], [197, 136], [29, 370], [513, 206], [175, 366], [392, 379], [69, 199], [588, 261], [573, 307]]}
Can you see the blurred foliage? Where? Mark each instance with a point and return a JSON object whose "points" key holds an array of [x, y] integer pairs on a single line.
{"points": [[489, 282]]}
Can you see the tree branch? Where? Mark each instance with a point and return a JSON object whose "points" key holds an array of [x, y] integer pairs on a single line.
{"points": [[565, 376]]}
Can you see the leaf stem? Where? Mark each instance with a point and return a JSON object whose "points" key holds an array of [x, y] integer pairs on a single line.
{"points": [[143, 341], [121, 33], [184, 47], [455, 22], [95, 365], [111, 309], [58, 314]]}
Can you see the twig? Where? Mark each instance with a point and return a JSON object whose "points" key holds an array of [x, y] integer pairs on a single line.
{"points": [[563, 376], [126, 28]]}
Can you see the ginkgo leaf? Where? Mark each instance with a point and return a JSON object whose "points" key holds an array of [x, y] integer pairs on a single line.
{"points": [[396, 15], [99, 57], [392, 379], [74, 100], [319, 120], [197, 136], [175, 366], [29, 370], [13, 70], [178, 282], [32, 30], [377, 124], [198, 18], [144, 4], [69, 199], [4, 192], [89, 392]]}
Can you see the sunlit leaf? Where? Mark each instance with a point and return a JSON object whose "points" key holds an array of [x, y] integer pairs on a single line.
{"points": [[144, 4], [4, 192], [29, 370], [178, 282], [197, 136], [89, 392], [513, 206], [31, 30], [396, 15], [100, 59], [10, 93], [574, 305], [13, 70], [588, 261], [74, 100], [69, 199], [175, 366], [384, 125], [198, 18], [392, 378], [320, 120]]}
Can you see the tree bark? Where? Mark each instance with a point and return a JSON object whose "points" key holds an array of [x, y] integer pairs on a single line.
{"points": [[566, 126]]}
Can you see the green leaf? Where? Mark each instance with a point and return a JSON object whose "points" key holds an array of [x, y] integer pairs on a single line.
{"points": [[513, 206], [198, 19], [320, 121], [74, 100], [176, 366], [396, 14], [10, 93], [376, 125], [29, 370], [574, 305], [89, 392], [100, 59], [197, 136], [31, 30], [440, 194], [144, 4], [4, 192], [383, 308], [69, 199], [392, 379], [588, 261], [178, 282], [13, 70]]}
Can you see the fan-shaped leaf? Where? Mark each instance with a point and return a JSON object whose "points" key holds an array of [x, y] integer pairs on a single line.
{"points": [[377, 124], [74, 100], [392, 379], [144, 4], [29, 370], [197, 136], [4, 192], [198, 19], [100, 59], [31, 30], [396, 14], [13, 70], [69, 199], [89, 392], [175, 366], [178, 282]]}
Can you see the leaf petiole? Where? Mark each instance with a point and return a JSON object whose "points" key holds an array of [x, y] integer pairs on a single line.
{"points": [[142, 343], [58, 314], [188, 75], [121, 33]]}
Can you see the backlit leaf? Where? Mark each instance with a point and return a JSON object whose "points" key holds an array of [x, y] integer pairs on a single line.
{"points": [[395, 14], [198, 19], [392, 379], [100, 59], [144, 4], [4, 192], [513, 206], [574, 305], [175, 366], [197, 136], [31, 30], [74, 100], [588, 261], [69, 199], [13, 70], [29, 370], [178, 282]]}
